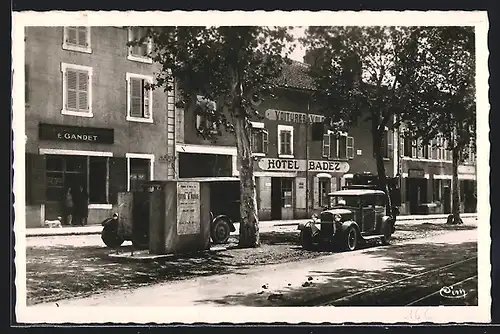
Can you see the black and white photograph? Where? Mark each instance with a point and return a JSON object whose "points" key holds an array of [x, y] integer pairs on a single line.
{"points": [[286, 166]]}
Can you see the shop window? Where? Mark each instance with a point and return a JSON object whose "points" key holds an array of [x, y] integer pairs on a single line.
{"points": [[141, 51], [338, 147], [437, 185], [77, 39], [287, 192], [285, 140], [77, 90], [139, 98], [139, 172], [259, 139], [323, 191], [98, 176]]}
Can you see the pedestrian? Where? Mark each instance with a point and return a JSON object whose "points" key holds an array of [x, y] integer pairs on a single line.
{"points": [[80, 204], [85, 205], [68, 206]]}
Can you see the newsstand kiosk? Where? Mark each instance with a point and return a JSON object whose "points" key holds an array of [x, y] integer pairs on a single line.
{"points": [[179, 217]]}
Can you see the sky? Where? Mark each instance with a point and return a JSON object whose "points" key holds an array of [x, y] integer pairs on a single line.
{"points": [[299, 51]]}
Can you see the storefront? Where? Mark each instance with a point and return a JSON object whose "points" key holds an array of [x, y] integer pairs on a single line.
{"points": [[294, 188], [74, 157]]}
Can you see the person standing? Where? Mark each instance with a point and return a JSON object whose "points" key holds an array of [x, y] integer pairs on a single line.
{"points": [[68, 206], [85, 205]]}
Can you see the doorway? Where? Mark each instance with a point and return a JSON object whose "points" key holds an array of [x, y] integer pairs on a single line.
{"points": [[276, 198], [416, 193]]}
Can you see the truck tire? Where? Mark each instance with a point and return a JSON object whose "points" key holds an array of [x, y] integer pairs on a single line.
{"points": [[351, 239], [220, 231], [110, 237]]}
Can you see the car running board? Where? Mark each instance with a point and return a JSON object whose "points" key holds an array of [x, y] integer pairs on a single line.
{"points": [[372, 237]]}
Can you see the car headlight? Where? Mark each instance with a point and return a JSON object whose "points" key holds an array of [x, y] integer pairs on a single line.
{"points": [[337, 218]]}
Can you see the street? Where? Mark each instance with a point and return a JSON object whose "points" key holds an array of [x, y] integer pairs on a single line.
{"points": [[423, 259]]}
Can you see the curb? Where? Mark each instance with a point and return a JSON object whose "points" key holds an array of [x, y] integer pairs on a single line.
{"points": [[29, 235]]}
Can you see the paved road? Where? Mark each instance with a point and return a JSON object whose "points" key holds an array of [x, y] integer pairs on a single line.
{"points": [[334, 276]]}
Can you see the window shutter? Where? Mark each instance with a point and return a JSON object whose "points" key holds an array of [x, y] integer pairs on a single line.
{"points": [[117, 177], [83, 91], [342, 147], [72, 89], [326, 145], [434, 149], [146, 100], [135, 97], [82, 36], [390, 144], [282, 143], [413, 148], [35, 164], [401, 146], [72, 35], [350, 147], [333, 147], [265, 141]]}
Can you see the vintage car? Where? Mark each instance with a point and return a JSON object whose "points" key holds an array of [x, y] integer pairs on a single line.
{"points": [[353, 216]]}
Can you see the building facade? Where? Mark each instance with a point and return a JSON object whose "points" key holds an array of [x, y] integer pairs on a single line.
{"points": [[294, 171], [91, 121], [426, 177]]}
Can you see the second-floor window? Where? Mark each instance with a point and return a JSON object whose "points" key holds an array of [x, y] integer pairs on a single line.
{"points": [[139, 98], [387, 144], [139, 52], [285, 141], [338, 147], [77, 39], [77, 90], [259, 138]]}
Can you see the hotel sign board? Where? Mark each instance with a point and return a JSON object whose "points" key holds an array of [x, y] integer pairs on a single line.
{"points": [[297, 165], [71, 133], [292, 117]]}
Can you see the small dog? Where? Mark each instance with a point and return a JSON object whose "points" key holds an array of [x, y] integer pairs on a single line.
{"points": [[53, 223]]}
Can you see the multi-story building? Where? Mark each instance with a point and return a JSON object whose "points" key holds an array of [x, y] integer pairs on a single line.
{"points": [[426, 175], [90, 119], [293, 172]]}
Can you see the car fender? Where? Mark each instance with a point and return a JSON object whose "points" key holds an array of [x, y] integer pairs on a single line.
{"points": [[227, 219], [345, 225], [303, 225], [386, 220], [109, 221]]}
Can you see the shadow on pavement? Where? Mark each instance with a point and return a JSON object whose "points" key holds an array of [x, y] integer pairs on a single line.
{"points": [[380, 266]]}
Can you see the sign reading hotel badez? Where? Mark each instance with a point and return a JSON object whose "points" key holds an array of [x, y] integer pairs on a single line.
{"points": [[75, 133], [292, 117], [188, 208], [293, 165]]}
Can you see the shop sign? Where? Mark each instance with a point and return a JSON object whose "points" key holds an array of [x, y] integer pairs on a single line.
{"points": [[75, 133], [466, 170], [416, 173], [295, 165], [188, 208], [292, 117]]}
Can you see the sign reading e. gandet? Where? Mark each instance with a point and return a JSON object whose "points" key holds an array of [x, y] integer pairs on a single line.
{"points": [[75, 133], [296, 165], [188, 208]]}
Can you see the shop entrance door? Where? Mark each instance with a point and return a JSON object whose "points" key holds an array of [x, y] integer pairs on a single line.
{"points": [[276, 198], [417, 194], [447, 199]]}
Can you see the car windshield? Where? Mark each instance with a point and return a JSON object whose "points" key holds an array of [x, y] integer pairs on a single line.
{"points": [[344, 201]]}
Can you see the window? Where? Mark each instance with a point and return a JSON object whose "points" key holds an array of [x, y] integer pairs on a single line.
{"points": [[77, 39], [436, 190], [434, 149], [259, 139], [323, 190], [338, 147], [285, 140], [140, 169], [287, 192], [205, 125], [66, 171], [139, 52], [387, 144], [77, 90], [139, 98]]}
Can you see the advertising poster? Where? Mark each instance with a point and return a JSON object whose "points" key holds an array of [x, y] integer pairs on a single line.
{"points": [[188, 208]]}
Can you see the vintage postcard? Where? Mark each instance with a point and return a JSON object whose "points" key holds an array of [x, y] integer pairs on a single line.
{"points": [[334, 164]]}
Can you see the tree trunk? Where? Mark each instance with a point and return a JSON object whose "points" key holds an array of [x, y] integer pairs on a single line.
{"points": [[249, 222], [455, 189], [377, 149]]}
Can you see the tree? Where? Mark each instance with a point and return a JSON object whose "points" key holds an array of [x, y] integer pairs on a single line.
{"points": [[440, 63], [357, 74], [231, 66]]}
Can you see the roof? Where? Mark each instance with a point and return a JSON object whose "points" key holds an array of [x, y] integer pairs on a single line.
{"points": [[356, 192], [295, 75]]}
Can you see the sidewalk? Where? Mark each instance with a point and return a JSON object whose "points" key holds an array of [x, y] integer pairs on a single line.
{"points": [[97, 228]]}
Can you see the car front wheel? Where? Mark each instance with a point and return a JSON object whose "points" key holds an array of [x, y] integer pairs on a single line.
{"points": [[220, 231], [110, 237], [351, 239]]}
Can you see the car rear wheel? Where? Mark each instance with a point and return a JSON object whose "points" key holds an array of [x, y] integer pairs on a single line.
{"points": [[351, 239], [306, 240], [110, 237], [220, 231]]}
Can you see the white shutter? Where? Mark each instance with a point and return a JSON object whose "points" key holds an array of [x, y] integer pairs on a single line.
{"points": [[413, 148], [350, 147], [147, 103], [71, 90], [389, 143], [326, 145], [265, 141], [82, 36], [72, 35], [83, 91], [136, 102]]}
